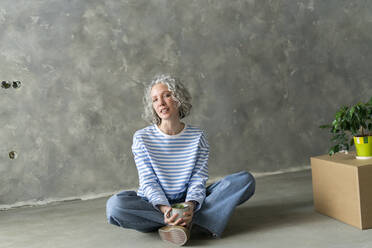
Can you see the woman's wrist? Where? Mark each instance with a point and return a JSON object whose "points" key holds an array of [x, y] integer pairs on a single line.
{"points": [[193, 204], [163, 208]]}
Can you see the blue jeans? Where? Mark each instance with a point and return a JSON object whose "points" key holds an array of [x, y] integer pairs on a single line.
{"points": [[128, 210]]}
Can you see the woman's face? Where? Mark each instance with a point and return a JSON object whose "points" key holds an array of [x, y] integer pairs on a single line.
{"points": [[163, 103]]}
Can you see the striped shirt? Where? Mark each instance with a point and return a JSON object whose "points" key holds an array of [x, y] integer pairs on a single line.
{"points": [[171, 167]]}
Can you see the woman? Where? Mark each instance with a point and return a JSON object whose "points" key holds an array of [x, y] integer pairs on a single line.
{"points": [[172, 163]]}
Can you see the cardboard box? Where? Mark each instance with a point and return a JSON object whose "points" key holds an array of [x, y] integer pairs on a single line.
{"points": [[342, 188]]}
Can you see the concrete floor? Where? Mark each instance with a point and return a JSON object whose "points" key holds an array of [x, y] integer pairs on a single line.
{"points": [[280, 214]]}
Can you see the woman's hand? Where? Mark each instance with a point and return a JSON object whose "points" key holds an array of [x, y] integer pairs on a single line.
{"points": [[184, 221], [187, 216], [170, 220]]}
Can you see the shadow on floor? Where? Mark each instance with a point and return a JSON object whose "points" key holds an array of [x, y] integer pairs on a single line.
{"points": [[264, 217], [257, 218]]}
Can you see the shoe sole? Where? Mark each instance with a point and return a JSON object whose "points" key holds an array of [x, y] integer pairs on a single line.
{"points": [[173, 235]]}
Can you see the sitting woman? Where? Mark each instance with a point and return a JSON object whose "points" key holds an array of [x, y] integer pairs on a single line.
{"points": [[172, 163]]}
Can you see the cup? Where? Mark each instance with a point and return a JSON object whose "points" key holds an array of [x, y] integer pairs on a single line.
{"points": [[179, 208]]}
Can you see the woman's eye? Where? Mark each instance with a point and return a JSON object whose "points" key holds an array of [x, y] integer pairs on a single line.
{"points": [[154, 100], [168, 95]]}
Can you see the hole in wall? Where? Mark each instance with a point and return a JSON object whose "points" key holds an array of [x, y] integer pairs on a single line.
{"points": [[16, 84], [13, 155], [5, 84]]}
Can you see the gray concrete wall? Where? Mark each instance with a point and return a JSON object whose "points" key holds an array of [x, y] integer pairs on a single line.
{"points": [[263, 74]]}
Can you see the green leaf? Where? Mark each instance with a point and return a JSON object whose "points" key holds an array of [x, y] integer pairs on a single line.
{"points": [[352, 110], [331, 152]]}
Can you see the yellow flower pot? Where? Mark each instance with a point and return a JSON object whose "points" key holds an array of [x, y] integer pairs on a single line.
{"points": [[363, 147]]}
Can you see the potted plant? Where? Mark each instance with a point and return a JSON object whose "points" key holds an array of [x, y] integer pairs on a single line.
{"points": [[352, 125]]}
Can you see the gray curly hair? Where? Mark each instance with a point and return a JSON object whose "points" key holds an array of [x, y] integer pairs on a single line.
{"points": [[179, 93]]}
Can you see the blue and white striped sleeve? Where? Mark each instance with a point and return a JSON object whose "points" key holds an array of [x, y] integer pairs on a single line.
{"points": [[147, 178], [197, 185]]}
